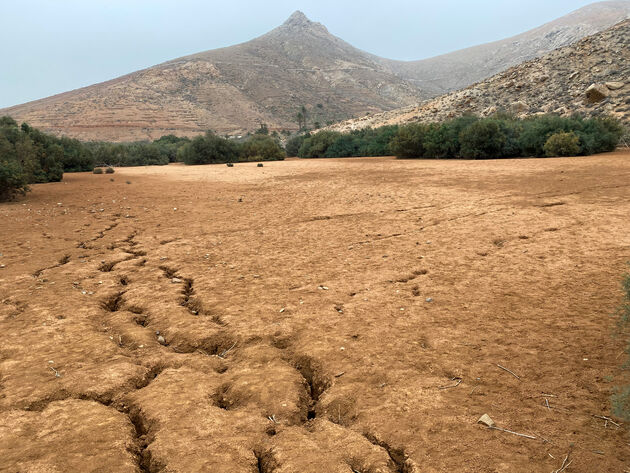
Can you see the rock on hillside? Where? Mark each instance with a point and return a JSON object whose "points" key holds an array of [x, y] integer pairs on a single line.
{"points": [[591, 77]]}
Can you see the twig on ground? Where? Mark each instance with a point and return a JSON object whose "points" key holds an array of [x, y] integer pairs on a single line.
{"points": [[607, 419], [459, 381], [225, 352], [509, 371], [339, 375], [547, 403], [57, 375], [565, 465], [514, 433], [272, 418]]}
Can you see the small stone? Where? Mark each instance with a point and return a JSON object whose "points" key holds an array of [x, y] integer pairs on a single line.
{"points": [[429, 299], [161, 340], [176, 280], [282, 310], [2, 266], [322, 288], [157, 332], [614, 85], [486, 420]]}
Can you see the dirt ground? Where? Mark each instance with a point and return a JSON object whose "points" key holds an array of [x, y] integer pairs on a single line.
{"points": [[343, 315]]}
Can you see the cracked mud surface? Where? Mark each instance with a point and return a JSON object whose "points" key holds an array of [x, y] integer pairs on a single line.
{"points": [[345, 316]]}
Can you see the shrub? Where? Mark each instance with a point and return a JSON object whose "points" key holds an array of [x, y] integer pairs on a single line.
{"points": [[261, 147], [483, 139], [409, 141], [315, 146], [293, 144], [208, 149], [12, 180], [97, 171], [562, 144], [110, 170]]}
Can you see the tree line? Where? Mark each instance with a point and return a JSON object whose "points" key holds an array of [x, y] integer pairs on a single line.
{"points": [[468, 137], [28, 155]]}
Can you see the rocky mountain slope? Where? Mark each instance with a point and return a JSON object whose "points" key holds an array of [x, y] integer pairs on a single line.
{"points": [[590, 77], [230, 90], [462, 68], [267, 80]]}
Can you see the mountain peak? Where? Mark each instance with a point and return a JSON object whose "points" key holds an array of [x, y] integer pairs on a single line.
{"points": [[298, 19]]}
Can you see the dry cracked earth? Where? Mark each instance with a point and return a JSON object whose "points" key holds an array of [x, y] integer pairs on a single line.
{"points": [[316, 316]]}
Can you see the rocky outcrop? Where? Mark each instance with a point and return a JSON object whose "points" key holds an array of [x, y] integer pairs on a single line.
{"points": [[590, 77]]}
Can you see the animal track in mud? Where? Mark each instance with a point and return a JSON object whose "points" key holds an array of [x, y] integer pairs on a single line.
{"points": [[113, 302], [265, 461], [65, 259], [316, 382], [108, 266], [169, 273], [397, 455], [413, 275]]}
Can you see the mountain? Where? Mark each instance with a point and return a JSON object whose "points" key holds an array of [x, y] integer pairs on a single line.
{"points": [[462, 68], [230, 90], [269, 79], [591, 77]]}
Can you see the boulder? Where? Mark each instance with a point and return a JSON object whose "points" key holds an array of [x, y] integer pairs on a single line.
{"points": [[596, 93], [519, 107]]}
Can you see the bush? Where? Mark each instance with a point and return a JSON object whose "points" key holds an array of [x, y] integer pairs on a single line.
{"points": [[12, 180], [409, 141], [110, 170], [27, 156], [562, 144], [97, 171], [293, 144], [261, 147], [483, 139], [208, 149], [315, 146]]}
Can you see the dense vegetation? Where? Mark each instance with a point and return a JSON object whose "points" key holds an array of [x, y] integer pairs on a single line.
{"points": [[210, 148], [507, 137], [468, 137], [331, 144], [28, 156]]}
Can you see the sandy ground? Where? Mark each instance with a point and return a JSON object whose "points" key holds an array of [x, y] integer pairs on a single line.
{"points": [[316, 316]]}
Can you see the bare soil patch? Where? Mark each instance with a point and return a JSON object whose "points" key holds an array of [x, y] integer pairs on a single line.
{"points": [[315, 315]]}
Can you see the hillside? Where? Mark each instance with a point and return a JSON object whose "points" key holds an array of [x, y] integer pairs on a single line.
{"points": [[268, 79], [230, 90], [558, 82], [462, 68]]}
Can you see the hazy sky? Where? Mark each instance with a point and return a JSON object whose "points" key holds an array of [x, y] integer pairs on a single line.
{"points": [[51, 46]]}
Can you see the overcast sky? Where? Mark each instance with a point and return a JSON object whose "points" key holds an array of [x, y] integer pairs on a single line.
{"points": [[52, 46]]}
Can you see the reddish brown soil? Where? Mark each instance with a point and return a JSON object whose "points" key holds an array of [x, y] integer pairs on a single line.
{"points": [[297, 336]]}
